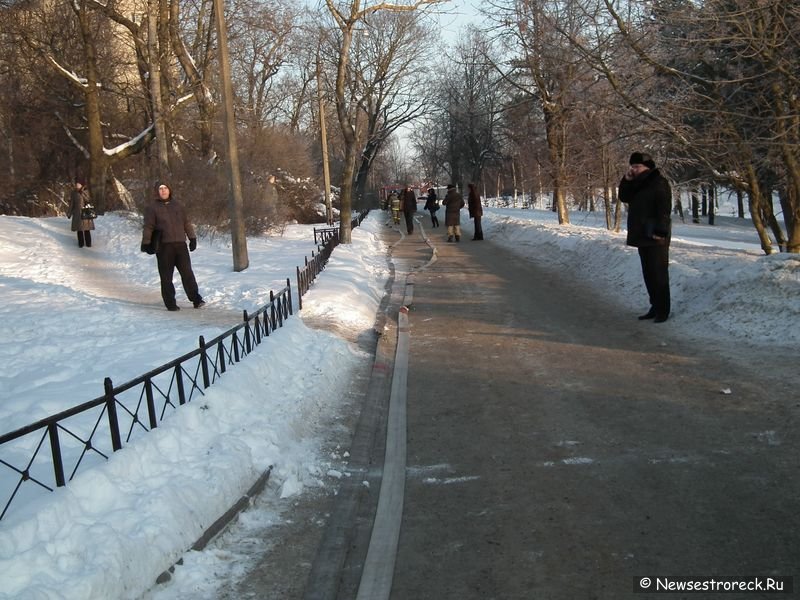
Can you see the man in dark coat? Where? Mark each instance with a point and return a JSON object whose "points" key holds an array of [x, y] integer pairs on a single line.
{"points": [[409, 203], [475, 210], [649, 198], [168, 217]]}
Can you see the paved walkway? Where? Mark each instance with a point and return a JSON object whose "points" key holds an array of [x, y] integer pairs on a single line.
{"points": [[557, 448]]}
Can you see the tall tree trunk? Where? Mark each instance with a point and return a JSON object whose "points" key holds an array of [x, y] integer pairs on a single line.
{"points": [[346, 192], [154, 60], [202, 95], [367, 156], [712, 198], [756, 201], [788, 126], [555, 130], [97, 158], [768, 212], [348, 134]]}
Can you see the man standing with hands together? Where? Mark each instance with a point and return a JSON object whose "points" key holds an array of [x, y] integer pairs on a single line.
{"points": [[649, 198]]}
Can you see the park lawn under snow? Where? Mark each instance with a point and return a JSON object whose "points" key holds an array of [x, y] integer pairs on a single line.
{"points": [[74, 316]]}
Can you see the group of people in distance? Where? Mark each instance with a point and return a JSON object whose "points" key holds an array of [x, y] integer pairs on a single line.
{"points": [[643, 188], [453, 202]]}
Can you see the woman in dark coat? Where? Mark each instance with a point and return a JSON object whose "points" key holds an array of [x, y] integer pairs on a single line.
{"points": [[432, 206], [475, 210], [649, 198], [453, 202], [78, 199]]}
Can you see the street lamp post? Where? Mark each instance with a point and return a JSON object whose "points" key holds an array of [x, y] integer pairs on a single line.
{"points": [[323, 132]]}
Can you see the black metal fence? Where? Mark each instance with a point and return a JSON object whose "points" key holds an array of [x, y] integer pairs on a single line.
{"points": [[326, 238], [48, 453]]}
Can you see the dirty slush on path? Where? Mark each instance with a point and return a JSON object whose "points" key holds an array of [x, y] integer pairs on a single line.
{"points": [[557, 448]]}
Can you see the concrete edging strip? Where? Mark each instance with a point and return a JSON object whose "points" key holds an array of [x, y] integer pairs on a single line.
{"points": [[376, 577], [222, 522]]}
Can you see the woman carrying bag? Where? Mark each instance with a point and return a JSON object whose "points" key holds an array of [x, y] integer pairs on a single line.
{"points": [[82, 213]]}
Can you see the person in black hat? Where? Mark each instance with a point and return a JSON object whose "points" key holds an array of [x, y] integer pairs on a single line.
{"points": [[649, 198]]}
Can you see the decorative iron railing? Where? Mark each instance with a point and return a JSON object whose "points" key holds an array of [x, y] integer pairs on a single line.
{"points": [[326, 238], [49, 453]]}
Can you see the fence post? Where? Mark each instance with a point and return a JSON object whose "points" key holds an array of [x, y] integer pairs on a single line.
{"points": [[272, 320], [299, 291], [111, 407], [235, 348], [289, 295], [55, 449], [151, 405], [247, 343], [257, 328], [179, 384], [221, 355], [204, 362]]}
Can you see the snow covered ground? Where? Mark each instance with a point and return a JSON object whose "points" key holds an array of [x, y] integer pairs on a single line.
{"points": [[74, 316]]}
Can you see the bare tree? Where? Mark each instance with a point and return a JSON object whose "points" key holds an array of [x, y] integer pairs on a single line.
{"points": [[733, 66], [390, 63], [476, 101], [347, 17], [260, 48], [549, 70]]}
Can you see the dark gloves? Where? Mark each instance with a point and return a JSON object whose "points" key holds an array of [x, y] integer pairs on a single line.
{"points": [[192, 244], [145, 247]]}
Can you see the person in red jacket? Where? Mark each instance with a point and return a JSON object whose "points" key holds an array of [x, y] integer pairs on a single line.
{"points": [[168, 217], [649, 198]]}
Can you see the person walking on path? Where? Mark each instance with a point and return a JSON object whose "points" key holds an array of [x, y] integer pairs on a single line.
{"points": [[78, 201], [453, 202], [409, 202], [475, 210], [394, 204], [432, 206], [166, 216], [649, 198]]}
